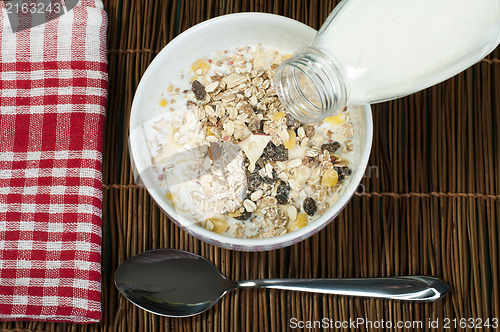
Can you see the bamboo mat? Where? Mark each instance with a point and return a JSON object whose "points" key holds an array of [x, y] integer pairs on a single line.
{"points": [[429, 203]]}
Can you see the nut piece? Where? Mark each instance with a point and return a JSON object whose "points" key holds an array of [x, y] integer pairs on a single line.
{"points": [[309, 131], [214, 151]]}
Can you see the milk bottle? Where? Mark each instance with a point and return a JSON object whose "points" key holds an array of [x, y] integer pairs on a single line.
{"points": [[369, 51]]}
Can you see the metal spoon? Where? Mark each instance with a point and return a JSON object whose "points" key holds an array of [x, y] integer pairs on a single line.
{"points": [[177, 283]]}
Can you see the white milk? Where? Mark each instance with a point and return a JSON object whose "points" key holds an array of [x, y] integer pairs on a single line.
{"points": [[386, 49]]}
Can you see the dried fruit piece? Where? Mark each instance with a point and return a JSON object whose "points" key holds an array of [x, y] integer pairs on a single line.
{"points": [[336, 120], [234, 214], [198, 90], [309, 206], [200, 67], [283, 192], [292, 140], [275, 153], [254, 181], [244, 215], [343, 171], [330, 147], [270, 179], [330, 178], [220, 225], [302, 220], [278, 115], [163, 102]]}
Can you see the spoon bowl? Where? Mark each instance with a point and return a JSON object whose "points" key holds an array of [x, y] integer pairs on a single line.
{"points": [[176, 283], [171, 282]]}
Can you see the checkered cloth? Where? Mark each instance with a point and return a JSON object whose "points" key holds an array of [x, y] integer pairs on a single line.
{"points": [[53, 88]]}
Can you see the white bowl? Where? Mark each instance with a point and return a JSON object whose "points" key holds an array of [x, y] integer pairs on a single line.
{"points": [[222, 33]]}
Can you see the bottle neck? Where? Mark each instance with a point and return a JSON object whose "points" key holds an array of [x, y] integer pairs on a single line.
{"points": [[310, 86]]}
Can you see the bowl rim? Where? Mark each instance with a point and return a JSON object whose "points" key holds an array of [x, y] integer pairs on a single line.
{"points": [[251, 244]]}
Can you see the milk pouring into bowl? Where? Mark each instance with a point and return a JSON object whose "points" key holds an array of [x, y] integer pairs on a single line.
{"points": [[376, 50]]}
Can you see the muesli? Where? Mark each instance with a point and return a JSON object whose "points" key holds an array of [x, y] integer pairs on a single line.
{"points": [[232, 158]]}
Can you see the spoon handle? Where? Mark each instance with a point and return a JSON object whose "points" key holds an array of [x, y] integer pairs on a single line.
{"points": [[408, 288]]}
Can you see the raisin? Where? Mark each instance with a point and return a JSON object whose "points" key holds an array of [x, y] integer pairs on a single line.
{"points": [[283, 192], [275, 153], [331, 147], [244, 215], [254, 181], [198, 89], [309, 206], [342, 171], [281, 199], [260, 163], [270, 180]]}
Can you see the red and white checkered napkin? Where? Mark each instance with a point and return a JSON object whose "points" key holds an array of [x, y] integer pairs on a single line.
{"points": [[53, 83]]}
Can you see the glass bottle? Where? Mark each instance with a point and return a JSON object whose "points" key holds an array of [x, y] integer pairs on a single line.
{"points": [[369, 51]]}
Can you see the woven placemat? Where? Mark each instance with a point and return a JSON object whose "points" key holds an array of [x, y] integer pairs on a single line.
{"points": [[429, 202]]}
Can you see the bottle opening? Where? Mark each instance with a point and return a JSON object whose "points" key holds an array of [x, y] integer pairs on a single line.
{"points": [[304, 85], [310, 86]]}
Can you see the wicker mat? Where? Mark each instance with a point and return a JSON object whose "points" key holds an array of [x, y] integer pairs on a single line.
{"points": [[429, 203]]}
